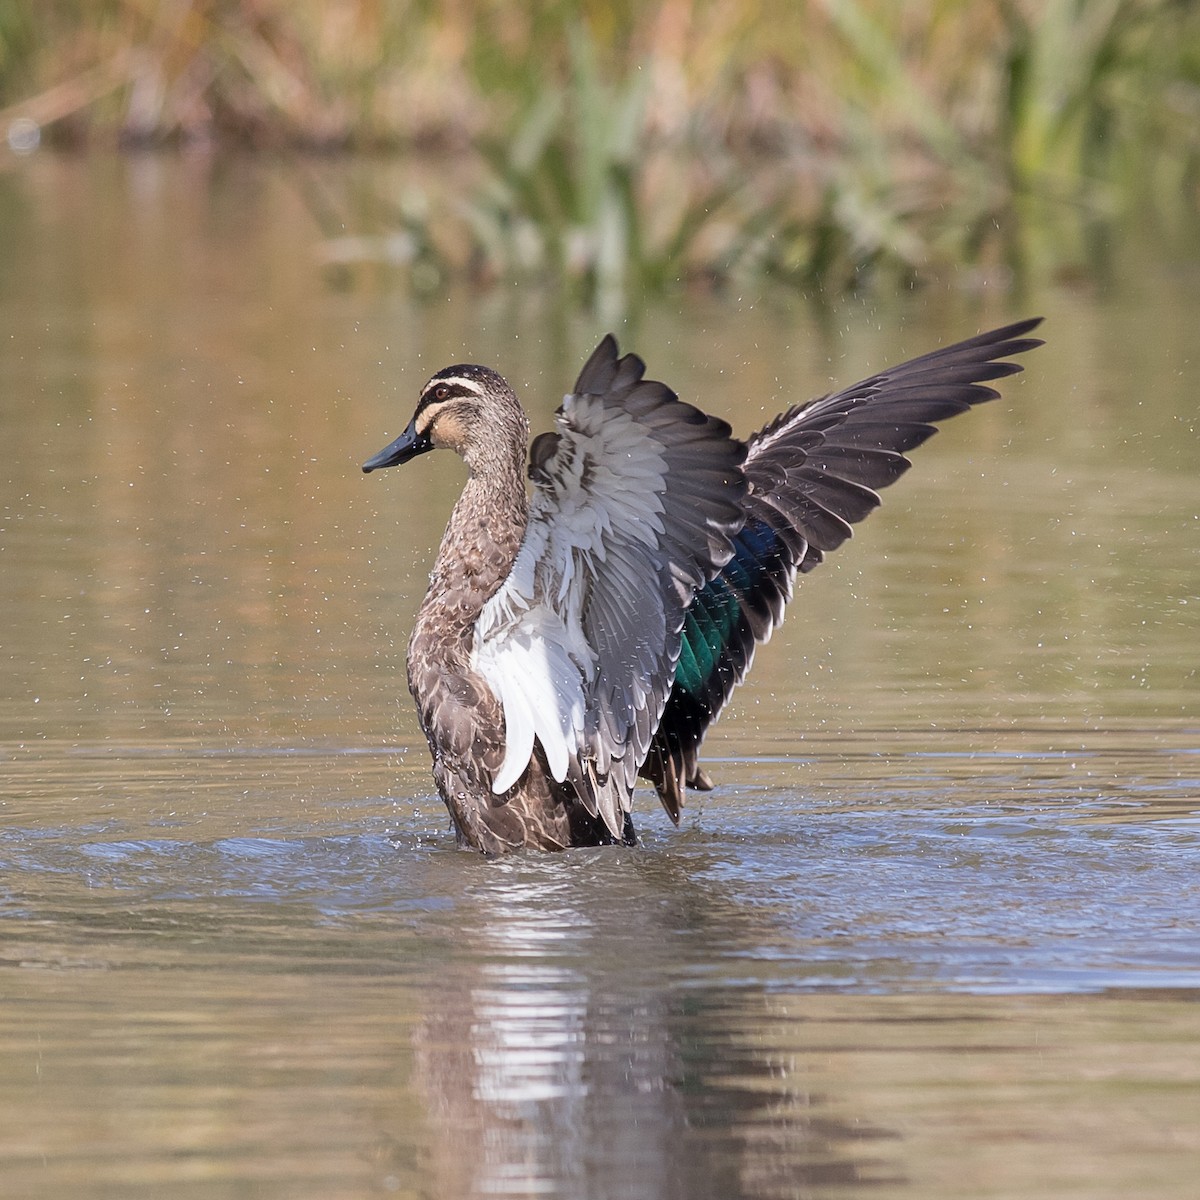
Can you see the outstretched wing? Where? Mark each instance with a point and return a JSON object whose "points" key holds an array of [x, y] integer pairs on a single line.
{"points": [[813, 471], [635, 500]]}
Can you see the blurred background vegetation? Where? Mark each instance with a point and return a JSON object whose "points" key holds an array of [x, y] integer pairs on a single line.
{"points": [[626, 147]]}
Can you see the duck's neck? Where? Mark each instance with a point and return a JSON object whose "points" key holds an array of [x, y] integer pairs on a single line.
{"points": [[478, 548]]}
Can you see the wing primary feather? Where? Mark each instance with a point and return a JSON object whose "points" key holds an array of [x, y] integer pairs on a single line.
{"points": [[814, 471]]}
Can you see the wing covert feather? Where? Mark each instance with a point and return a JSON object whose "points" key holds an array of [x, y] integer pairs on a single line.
{"points": [[636, 498]]}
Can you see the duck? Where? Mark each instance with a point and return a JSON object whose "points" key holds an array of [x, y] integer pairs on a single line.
{"points": [[600, 592]]}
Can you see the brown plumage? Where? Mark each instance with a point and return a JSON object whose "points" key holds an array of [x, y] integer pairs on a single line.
{"points": [[571, 642]]}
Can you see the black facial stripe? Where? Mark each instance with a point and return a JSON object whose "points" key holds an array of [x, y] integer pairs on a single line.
{"points": [[441, 391]]}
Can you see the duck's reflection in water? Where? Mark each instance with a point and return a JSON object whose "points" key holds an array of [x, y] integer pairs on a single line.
{"points": [[538, 1079], [552, 1060]]}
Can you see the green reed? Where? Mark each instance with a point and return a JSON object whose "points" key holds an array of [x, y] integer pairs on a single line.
{"points": [[626, 149]]}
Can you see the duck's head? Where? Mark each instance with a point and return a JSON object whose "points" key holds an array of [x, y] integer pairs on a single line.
{"points": [[465, 408]]}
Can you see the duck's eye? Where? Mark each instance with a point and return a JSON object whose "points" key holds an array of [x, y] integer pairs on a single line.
{"points": [[441, 392]]}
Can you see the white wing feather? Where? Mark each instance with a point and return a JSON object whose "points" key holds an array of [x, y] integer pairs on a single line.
{"points": [[632, 511], [530, 645]]}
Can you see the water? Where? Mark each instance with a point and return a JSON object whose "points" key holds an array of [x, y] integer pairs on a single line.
{"points": [[936, 933]]}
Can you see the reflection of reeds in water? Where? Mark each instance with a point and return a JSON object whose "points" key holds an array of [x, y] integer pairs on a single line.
{"points": [[629, 150]]}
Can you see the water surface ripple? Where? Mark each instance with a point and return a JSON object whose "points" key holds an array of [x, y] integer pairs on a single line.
{"points": [[935, 934]]}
